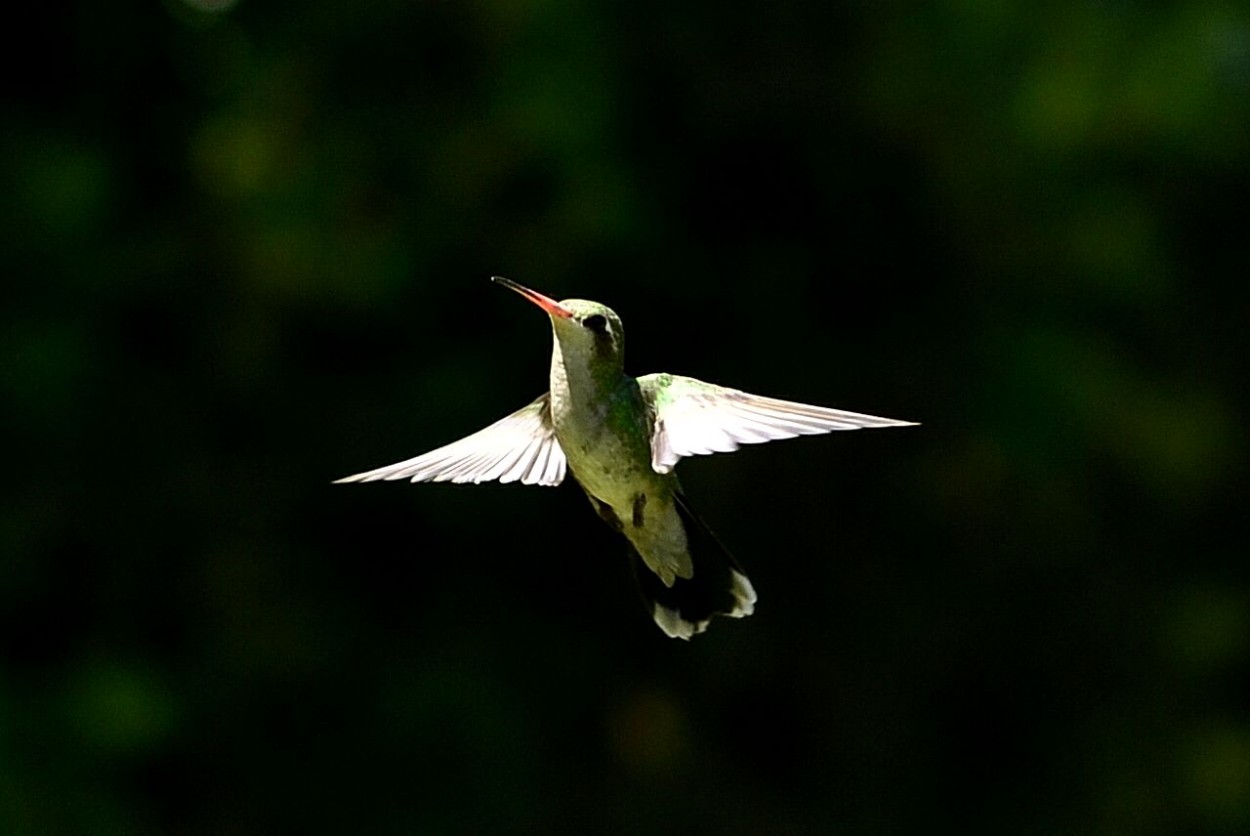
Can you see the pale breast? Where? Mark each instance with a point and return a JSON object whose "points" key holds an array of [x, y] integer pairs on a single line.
{"points": [[608, 449]]}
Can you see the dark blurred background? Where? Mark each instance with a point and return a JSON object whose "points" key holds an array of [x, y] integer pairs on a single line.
{"points": [[248, 248]]}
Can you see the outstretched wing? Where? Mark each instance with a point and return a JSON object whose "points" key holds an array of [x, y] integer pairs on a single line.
{"points": [[695, 418], [521, 447]]}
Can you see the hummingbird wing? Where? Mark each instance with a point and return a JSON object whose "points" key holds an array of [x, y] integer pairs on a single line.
{"points": [[521, 447], [694, 418]]}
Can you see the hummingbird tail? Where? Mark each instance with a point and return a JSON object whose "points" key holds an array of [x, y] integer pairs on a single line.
{"points": [[718, 585]]}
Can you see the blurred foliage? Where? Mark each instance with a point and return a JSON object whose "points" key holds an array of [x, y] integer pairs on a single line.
{"points": [[248, 246]]}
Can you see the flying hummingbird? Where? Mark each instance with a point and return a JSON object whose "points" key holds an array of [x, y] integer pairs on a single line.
{"points": [[621, 436]]}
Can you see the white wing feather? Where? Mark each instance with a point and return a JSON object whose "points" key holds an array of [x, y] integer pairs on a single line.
{"points": [[521, 447], [695, 418]]}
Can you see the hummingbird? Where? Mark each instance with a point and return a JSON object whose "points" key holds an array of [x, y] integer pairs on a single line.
{"points": [[620, 437]]}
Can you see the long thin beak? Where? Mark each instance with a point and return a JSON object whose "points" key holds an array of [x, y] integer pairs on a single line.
{"points": [[551, 306]]}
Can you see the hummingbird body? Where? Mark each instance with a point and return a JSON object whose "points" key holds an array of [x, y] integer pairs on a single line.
{"points": [[620, 437], [602, 422]]}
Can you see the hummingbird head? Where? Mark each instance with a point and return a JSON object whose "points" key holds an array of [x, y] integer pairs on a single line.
{"points": [[587, 330]]}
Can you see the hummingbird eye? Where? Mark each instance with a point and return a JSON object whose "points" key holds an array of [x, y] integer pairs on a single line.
{"points": [[597, 323]]}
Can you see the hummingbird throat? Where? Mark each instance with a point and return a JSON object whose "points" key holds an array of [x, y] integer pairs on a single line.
{"points": [[587, 377]]}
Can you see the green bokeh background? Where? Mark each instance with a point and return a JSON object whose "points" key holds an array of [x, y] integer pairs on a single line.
{"points": [[247, 249]]}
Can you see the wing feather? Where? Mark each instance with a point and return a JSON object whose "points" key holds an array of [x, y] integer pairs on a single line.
{"points": [[538, 464], [521, 447], [695, 418]]}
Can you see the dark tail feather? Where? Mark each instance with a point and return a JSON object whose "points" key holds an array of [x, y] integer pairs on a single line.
{"points": [[718, 587]]}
